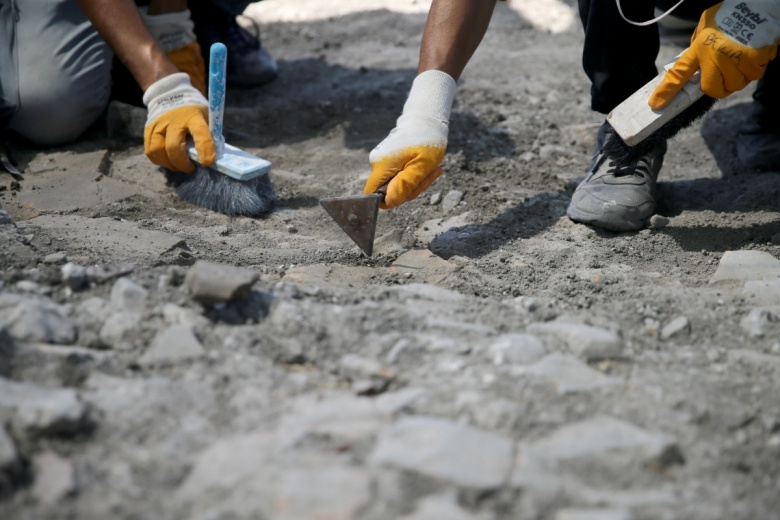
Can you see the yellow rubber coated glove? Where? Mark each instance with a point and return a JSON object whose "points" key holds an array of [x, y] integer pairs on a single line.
{"points": [[175, 34], [732, 45], [409, 157], [177, 111]]}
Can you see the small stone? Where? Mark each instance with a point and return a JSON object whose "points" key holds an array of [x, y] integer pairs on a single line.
{"points": [[127, 295], [441, 449], [568, 373], [55, 478], [451, 200], [593, 514], [521, 349], [34, 321], [680, 326], [737, 267], [174, 344], [55, 258], [211, 283], [435, 198], [117, 328], [36, 410], [658, 222], [758, 321], [73, 275], [105, 273], [28, 286], [590, 343]]}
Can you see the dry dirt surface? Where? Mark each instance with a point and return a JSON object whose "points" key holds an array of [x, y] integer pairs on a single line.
{"points": [[492, 360]]}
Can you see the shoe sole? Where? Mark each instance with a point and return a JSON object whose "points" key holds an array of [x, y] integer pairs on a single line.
{"points": [[605, 222]]}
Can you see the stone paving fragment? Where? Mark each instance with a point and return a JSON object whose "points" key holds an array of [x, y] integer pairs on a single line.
{"points": [[593, 514], [128, 296], [451, 200], [678, 327], [587, 342], [36, 410], [73, 275], [55, 258], [567, 373], [211, 283], [117, 329], [763, 292], [8, 454], [444, 450], [55, 478], [737, 267], [430, 229], [42, 322], [324, 492], [424, 266], [758, 321], [517, 348], [329, 276], [114, 240], [606, 441], [175, 344], [441, 507]]}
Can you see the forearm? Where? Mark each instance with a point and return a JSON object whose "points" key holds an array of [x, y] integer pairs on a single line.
{"points": [[119, 23], [453, 32]]}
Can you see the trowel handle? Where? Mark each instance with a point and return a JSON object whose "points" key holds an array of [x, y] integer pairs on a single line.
{"points": [[382, 192], [217, 66]]}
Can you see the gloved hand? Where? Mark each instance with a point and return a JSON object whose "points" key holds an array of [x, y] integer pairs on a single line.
{"points": [[732, 45], [176, 111], [410, 155], [175, 34]]}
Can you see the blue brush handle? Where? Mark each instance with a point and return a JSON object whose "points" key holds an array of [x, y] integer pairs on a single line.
{"points": [[217, 66]]}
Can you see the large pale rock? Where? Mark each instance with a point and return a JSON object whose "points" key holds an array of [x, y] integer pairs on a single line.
{"points": [[36, 321], [590, 343], [737, 267], [128, 296], [441, 507], [175, 344], [117, 329], [444, 450], [211, 283], [338, 492], [55, 478], [604, 442], [763, 292], [8, 455], [41, 411], [520, 349], [568, 374]]}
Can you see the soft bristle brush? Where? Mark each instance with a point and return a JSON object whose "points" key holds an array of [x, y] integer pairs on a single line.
{"points": [[639, 128], [238, 183]]}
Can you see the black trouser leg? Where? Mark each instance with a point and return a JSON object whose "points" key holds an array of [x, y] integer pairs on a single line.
{"points": [[619, 57], [767, 97]]}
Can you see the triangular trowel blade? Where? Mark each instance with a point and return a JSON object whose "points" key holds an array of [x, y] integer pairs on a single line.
{"points": [[356, 216]]}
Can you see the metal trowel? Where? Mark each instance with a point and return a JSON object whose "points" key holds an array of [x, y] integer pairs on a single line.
{"points": [[356, 216]]}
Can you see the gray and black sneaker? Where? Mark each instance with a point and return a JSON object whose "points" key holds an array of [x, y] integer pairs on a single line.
{"points": [[618, 197]]}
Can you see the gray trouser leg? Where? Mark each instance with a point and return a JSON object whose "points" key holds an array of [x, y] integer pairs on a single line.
{"points": [[64, 72]]}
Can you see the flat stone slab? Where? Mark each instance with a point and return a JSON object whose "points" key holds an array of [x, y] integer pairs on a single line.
{"points": [[175, 344], [442, 449], [329, 275], [567, 373], [590, 343], [211, 283], [108, 237], [430, 229], [737, 267], [75, 184], [423, 266], [763, 292]]}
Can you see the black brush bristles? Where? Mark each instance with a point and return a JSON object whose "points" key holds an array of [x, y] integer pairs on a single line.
{"points": [[213, 190], [617, 149]]}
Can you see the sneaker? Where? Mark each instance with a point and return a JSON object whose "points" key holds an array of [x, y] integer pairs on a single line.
{"points": [[617, 197], [248, 63], [758, 144]]}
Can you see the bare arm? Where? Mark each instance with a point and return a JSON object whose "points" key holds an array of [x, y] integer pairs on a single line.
{"points": [[119, 23], [453, 32]]}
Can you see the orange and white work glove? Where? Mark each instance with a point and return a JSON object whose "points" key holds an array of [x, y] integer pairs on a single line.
{"points": [[176, 111], [410, 155], [732, 45], [175, 34]]}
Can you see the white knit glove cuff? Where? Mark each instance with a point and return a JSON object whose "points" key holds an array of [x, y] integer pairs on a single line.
{"points": [[170, 30], [753, 23], [171, 92], [425, 119]]}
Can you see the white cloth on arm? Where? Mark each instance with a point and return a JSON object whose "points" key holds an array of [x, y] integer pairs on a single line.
{"points": [[170, 30]]}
